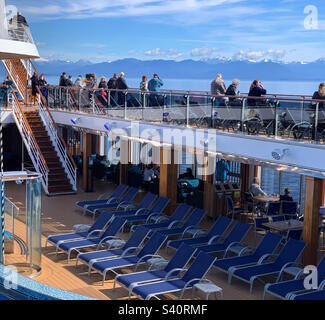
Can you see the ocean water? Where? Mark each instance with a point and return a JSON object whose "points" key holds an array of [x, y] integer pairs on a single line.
{"points": [[279, 87]]}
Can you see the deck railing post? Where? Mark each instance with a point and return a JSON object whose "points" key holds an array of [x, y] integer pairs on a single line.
{"points": [[187, 111], [276, 121], [125, 104], [242, 116], [316, 121]]}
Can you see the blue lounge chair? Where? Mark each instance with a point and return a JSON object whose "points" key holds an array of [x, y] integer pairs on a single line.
{"points": [[70, 246], [285, 289], [288, 255], [190, 224], [231, 242], [196, 272], [173, 268], [155, 211], [147, 252], [117, 194], [175, 219], [97, 227], [142, 208], [315, 295], [124, 200], [129, 247], [266, 247], [216, 231]]}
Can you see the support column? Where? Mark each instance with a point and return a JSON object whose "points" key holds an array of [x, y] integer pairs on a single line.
{"points": [[209, 197], [313, 201], [86, 152], [124, 160], [323, 194], [168, 178], [244, 180]]}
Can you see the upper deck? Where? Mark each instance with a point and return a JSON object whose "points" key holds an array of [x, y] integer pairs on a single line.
{"points": [[278, 131]]}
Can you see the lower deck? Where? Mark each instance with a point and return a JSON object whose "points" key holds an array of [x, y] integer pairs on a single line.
{"points": [[59, 214]]}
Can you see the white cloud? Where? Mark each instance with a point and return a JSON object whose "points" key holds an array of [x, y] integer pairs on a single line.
{"points": [[170, 53], [247, 54], [204, 52]]}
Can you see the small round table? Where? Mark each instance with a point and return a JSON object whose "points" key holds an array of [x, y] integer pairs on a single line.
{"points": [[207, 287]]}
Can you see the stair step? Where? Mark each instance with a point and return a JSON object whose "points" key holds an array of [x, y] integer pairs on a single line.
{"points": [[57, 176], [54, 165], [42, 139], [63, 188], [40, 133], [44, 143], [50, 154], [46, 149], [56, 170], [59, 182], [61, 193]]}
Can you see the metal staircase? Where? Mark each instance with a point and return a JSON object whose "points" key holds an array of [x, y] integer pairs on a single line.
{"points": [[41, 135]]}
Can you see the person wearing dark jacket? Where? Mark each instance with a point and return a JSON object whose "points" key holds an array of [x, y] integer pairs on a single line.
{"points": [[35, 83], [232, 91], [320, 95], [63, 80], [42, 83], [256, 90], [121, 85], [102, 83], [68, 82], [111, 85], [286, 196]]}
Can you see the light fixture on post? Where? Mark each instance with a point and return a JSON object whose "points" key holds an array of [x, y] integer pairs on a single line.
{"points": [[75, 121], [278, 154]]}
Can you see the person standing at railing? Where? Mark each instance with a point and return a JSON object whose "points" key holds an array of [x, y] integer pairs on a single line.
{"points": [[154, 85], [42, 83], [68, 82], [218, 88], [256, 90], [232, 91], [144, 88], [320, 95], [121, 85], [35, 83], [63, 79], [111, 85]]}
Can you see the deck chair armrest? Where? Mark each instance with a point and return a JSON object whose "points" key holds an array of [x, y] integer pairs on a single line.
{"points": [[127, 250], [152, 215], [187, 229], [94, 231], [198, 232], [101, 196], [128, 207], [112, 200], [264, 257], [161, 219], [229, 247], [178, 270], [246, 249], [141, 210], [283, 268], [322, 285], [107, 238], [121, 204], [188, 284], [146, 257], [173, 223], [216, 237]]}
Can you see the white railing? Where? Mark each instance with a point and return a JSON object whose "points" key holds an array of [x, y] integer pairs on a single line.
{"points": [[29, 140], [19, 32], [60, 148], [20, 83]]}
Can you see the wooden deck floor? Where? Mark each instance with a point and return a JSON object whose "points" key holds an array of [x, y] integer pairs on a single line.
{"points": [[59, 214]]}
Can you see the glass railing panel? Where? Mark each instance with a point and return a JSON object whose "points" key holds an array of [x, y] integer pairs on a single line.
{"points": [[200, 113]]}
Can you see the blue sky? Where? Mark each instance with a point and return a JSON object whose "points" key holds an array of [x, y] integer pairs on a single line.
{"points": [[106, 30]]}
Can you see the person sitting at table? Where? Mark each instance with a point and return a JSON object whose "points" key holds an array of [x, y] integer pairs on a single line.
{"points": [[286, 196], [187, 175], [148, 176], [256, 189]]}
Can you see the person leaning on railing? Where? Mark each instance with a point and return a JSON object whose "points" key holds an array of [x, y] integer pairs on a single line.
{"points": [[256, 90], [232, 91], [320, 94]]}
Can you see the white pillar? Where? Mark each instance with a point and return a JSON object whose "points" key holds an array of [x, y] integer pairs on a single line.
{"points": [[3, 21]]}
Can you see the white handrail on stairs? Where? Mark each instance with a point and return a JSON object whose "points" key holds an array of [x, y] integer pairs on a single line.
{"points": [[14, 75], [29, 141], [58, 145]]}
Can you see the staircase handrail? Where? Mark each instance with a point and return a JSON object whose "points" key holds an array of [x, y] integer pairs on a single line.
{"points": [[31, 143], [64, 154]]}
